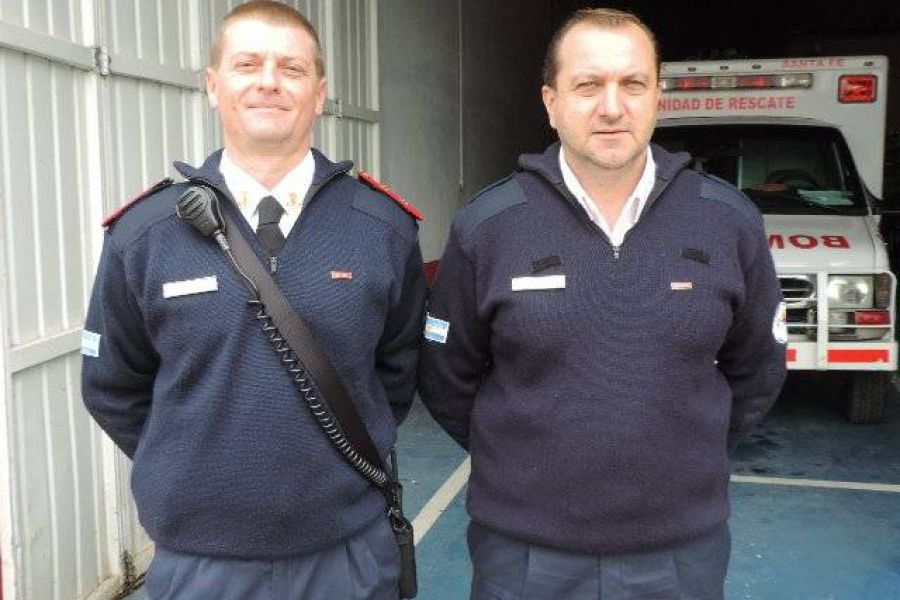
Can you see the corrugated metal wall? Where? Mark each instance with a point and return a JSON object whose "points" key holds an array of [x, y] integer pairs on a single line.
{"points": [[97, 97]]}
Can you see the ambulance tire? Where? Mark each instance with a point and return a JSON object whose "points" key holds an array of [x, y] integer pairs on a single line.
{"points": [[865, 401]]}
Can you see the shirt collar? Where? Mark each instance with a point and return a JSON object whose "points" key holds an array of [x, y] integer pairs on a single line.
{"points": [[640, 193], [247, 191]]}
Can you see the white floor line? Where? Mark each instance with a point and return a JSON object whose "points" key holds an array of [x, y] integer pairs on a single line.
{"points": [[441, 500], [819, 483]]}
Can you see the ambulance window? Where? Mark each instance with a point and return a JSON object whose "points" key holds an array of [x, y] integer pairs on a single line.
{"points": [[784, 169]]}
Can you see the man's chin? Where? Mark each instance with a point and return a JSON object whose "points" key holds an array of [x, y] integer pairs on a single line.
{"points": [[611, 163], [269, 137]]}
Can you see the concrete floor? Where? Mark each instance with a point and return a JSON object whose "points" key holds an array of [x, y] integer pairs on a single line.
{"points": [[831, 533]]}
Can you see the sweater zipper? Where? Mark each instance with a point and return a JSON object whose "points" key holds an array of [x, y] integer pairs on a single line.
{"points": [[314, 189], [616, 249], [562, 189]]}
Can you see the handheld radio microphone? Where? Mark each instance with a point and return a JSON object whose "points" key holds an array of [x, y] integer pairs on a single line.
{"points": [[200, 207]]}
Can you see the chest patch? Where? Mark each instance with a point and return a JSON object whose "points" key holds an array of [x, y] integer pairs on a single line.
{"points": [[544, 282], [187, 287]]}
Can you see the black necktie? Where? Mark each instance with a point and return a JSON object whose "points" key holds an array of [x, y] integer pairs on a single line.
{"points": [[268, 231]]}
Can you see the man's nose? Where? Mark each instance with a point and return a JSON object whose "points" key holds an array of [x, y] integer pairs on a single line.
{"points": [[609, 104], [268, 76]]}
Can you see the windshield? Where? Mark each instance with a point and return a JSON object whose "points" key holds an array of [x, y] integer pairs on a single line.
{"points": [[784, 169]]}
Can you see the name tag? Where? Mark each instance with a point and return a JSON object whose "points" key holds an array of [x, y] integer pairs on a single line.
{"points": [[173, 289], [546, 282]]}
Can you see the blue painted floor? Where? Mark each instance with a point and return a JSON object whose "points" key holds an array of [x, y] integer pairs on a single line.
{"points": [[789, 543]]}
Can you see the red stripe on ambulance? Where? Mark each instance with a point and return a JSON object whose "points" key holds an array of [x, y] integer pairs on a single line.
{"points": [[846, 355]]}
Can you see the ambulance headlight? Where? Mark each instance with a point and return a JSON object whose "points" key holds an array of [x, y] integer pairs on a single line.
{"points": [[850, 291]]}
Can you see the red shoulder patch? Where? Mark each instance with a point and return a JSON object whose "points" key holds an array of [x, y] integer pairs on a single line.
{"points": [[114, 215], [376, 185]]}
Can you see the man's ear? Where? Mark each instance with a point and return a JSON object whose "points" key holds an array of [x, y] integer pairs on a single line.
{"points": [[321, 95], [548, 94], [211, 87]]}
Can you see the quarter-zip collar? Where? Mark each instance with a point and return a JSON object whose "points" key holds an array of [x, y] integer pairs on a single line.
{"points": [[546, 166]]}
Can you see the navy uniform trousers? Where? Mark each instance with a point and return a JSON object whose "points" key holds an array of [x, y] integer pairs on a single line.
{"points": [[365, 567], [508, 569]]}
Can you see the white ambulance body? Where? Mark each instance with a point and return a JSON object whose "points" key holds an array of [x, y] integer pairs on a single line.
{"points": [[804, 139]]}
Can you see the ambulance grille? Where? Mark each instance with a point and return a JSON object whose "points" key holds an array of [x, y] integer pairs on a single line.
{"points": [[798, 290]]}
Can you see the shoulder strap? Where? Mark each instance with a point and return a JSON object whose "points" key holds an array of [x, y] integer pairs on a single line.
{"points": [[301, 340]]}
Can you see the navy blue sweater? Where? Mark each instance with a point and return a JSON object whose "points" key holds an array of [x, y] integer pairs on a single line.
{"points": [[227, 459], [599, 414]]}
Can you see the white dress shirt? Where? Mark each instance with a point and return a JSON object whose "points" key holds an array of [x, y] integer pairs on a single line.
{"points": [[289, 192], [631, 212]]}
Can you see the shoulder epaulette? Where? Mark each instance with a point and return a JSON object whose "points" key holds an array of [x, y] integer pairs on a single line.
{"points": [[376, 185], [491, 186], [488, 203], [114, 216]]}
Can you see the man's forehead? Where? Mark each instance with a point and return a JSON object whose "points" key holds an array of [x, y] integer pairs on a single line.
{"points": [[253, 36], [624, 47]]}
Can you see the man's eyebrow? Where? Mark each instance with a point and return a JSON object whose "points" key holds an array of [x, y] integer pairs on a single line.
{"points": [[281, 58], [238, 55]]}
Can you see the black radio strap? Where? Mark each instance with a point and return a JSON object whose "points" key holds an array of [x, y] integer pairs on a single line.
{"points": [[302, 341], [309, 369]]}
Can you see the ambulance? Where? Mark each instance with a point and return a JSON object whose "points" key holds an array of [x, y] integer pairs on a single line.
{"points": [[804, 138]]}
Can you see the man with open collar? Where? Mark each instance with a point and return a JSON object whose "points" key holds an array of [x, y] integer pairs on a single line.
{"points": [[605, 326], [235, 482]]}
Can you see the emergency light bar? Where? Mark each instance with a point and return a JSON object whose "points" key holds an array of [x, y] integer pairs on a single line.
{"points": [[692, 83]]}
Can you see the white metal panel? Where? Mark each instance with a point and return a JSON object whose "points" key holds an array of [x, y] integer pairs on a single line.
{"points": [[156, 31], [12, 11], [44, 196], [56, 496], [54, 500], [150, 126], [58, 18], [349, 39]]}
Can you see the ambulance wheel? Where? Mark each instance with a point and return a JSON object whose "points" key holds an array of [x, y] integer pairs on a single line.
{"points": [[865, 401]]}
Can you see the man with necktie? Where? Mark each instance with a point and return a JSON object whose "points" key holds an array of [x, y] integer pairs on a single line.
{"points": [[234, 480]]}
